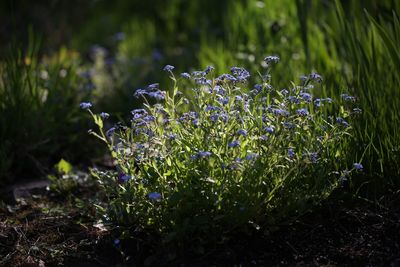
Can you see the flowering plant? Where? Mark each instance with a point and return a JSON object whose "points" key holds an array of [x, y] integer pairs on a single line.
{"points": [[222, 156]]}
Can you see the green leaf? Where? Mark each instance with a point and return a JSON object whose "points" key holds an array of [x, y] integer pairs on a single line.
{"points": [[63, 167]]}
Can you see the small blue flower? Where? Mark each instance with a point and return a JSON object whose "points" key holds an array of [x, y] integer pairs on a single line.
{"points": [[318, 102], [212, 108], [241, 132], [234, 143], [251, 156], [273, 59], [104, 115], [149, 118], [153, 86], [124, 178], [258, 87], [214, 117], [140, 92], [348, 98], [117, 242], [159, 95], [284, 91], [238, 98], [269, 129], [293, 99], [291, 153], [288, 125], [316, 77], [85, 105], [172, 136], [280, 112], [314, 157], [306, 97], [358, 166], [110, 131], [209, 69], [204, 154], [169, 68], [185, 75], [302, 112], [303, 78], [224, 100], [342, 121], [154, 196]]}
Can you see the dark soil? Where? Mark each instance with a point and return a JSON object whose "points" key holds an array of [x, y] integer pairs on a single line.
{"points": [[49, 230]]}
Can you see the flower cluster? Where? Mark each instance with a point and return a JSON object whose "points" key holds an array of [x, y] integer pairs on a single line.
{"points": [[230, 149]]}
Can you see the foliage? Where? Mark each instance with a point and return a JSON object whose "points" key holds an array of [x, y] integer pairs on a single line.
{"points": [[194, 169], [39, 121]]}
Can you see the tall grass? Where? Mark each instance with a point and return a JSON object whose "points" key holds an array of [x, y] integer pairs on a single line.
{"points": [[367, 60], [40, 118]]}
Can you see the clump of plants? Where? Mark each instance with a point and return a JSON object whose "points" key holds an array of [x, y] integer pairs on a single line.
{"points": [[216, 154]]}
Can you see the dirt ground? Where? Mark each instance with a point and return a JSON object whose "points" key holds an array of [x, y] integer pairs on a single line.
{"points": [[49, 230]]}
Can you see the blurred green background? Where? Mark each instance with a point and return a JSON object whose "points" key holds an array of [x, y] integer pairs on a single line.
{"points": [[55, 54]]}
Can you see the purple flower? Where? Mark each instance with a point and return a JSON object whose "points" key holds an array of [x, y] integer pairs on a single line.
{"points": [[117, 242], [303, 78], [317, 102], [208, 69], [273, 59], [169, 68], [153, 86], [358, 166], [234, 143], [316, 77], [342, 121], [225, 78], [241, 74], [159, 95], [122, 178], [212, 108], [293, 99], [306, 97], [238, 98], [195, 122], [348, 98], [284, 91], [241, 132], [139, 92], [214, 117], [251, 156], [302, 112], [280, 112], [223, 100], [149, 118], [203, 154], [291, 153], [104, 115], [110, 131], [85, 105], [314, 157], [185, 75], [288, 125], [258, 87], [269, 129], [171, 136], [154, 196]]}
